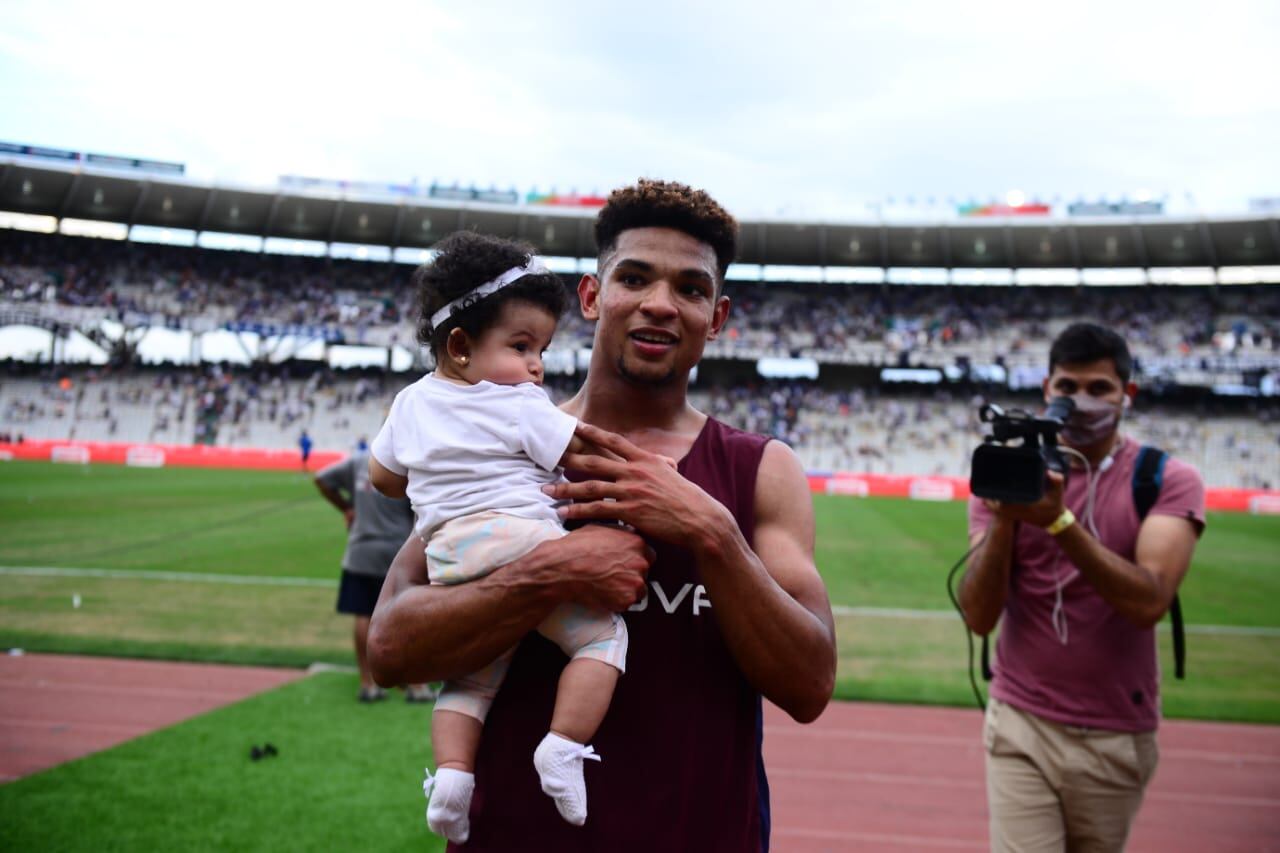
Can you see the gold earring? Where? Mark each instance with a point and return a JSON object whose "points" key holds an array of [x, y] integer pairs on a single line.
{"points": [[464, 360]]}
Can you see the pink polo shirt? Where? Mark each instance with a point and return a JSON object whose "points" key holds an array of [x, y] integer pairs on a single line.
{"points": [[1107, 675]]}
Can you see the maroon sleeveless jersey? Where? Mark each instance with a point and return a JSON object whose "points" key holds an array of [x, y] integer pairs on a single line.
{"points": [[681, 768]]}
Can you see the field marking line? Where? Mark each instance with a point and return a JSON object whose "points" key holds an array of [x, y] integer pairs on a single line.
{"points": [[266, 580], [906, 613], [321, 666], [186, 577]]}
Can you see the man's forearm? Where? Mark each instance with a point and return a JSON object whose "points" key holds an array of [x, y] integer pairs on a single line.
{"points": [[422, 632], [785, 650], [333, 496], [984, 586], [1130, 589], [425, 633]]}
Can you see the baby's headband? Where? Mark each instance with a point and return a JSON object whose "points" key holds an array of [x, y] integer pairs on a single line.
{"points": [[471, 297]]}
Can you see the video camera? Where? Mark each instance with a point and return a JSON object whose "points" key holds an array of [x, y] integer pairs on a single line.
{"points": [[1016, 473]]}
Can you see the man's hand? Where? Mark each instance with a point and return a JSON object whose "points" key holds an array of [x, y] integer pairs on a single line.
{"points": [[579, 446], [349, 515], [1042, 513], [425, 632], [641, 489], [603, 567]]}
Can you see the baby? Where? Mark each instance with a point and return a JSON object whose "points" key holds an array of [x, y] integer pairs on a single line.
{"points": [[471, 444]]}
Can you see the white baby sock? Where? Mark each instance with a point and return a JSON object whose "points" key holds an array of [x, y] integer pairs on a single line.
{"points": [[449, 795], [558, 761]]}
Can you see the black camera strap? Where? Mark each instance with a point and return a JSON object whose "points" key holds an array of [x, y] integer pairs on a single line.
{"points": [[1148, 477]]}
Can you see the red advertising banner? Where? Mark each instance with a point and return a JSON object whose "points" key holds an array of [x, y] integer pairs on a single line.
{"points": [[1257, 501], [160, 455]]}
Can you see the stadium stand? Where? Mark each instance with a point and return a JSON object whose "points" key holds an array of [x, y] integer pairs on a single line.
{"points": [[83, 282], [1208, 354]]}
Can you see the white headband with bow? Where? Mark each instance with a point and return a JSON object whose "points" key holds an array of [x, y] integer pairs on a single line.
{"points": [[535, 266]]}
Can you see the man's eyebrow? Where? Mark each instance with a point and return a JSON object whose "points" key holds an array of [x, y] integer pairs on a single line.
{"points": [[645, 266], [642, 266]]}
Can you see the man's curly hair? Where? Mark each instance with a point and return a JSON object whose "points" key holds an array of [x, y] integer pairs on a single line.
{"points": [[667, 204], [465, 260]]}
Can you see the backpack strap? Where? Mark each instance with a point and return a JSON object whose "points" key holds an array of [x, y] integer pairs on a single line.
{"points": [[1148, 477]]}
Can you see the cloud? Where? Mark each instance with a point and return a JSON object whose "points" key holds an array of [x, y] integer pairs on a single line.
{"points": [[811, 106]]}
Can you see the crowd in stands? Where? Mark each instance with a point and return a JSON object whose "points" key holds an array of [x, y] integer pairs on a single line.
{"points": [[871, 431], [75, 280], [863, 430], [179, 287], [365, 302]]}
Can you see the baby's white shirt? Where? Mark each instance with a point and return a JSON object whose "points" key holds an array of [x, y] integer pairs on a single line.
{"points": [[474, 448]]}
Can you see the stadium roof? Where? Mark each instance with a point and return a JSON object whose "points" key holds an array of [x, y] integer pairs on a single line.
{"points": [[138, 198]]}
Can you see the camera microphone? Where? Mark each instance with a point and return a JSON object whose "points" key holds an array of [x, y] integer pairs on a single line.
{"points": [[1060, 409]]}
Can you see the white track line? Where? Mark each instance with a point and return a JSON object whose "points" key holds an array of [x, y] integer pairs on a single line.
{"points": [[132, 730], [223, 696], [904, 613], [914, 842], [186, 577], [262, 580], [915, 781], [826, 733], [877, 778]]}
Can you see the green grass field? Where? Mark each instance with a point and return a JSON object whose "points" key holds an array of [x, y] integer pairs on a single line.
{"points": [[276, 532], [349, 776]]}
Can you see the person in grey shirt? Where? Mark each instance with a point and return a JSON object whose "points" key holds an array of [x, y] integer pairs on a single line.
{"points": [[376, 528]]}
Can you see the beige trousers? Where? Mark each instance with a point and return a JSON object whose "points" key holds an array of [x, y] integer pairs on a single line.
{"points": [[1056, 788]]}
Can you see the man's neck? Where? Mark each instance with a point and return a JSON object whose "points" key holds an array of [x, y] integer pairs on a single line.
{"points": [[611, 402]]}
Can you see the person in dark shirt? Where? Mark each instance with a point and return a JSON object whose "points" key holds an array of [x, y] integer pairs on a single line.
{"points": [[376, 526], [732, 610]]}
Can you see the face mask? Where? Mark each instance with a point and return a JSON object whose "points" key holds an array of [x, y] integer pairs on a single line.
{"points": [[1091, 422]]}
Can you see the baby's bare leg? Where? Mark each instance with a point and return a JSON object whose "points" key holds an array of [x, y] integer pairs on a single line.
{"points": [[455, 738], [582, 699]]}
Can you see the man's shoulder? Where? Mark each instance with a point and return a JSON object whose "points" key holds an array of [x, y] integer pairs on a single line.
{"points": [[1181, 471], [731, 439], [341, 470], [1174, 472], [737, 462]]}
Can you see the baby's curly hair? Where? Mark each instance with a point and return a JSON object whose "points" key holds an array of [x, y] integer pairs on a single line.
{"points": [[667, 204], [465, 260]]}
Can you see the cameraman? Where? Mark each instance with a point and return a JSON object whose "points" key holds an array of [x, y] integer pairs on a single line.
{"points": [[1070, 726]]}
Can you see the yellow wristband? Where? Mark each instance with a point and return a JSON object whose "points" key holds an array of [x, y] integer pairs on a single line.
{"points": [[1063, 521]]}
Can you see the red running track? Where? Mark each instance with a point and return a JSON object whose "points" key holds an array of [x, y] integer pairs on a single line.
{"points": [[865, 777], [897, 777], [54, 708]]}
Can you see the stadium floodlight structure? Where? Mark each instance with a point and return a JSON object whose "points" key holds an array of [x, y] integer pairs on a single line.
{"points": [[80, 192]]}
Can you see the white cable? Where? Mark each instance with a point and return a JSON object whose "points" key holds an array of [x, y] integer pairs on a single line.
{"points": [[1059, 615], [1091, 492]]}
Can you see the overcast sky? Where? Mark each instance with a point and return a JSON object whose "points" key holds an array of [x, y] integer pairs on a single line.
{"points": [[788, 107]]}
